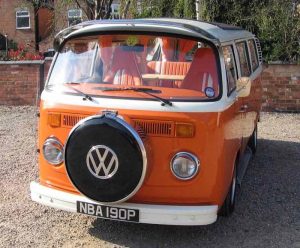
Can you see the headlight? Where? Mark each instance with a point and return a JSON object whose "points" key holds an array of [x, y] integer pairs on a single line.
{"points": [[53, 151], [184, 165]]}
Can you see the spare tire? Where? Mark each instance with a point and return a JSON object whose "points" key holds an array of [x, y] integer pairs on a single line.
{"points": [[105, 159]]}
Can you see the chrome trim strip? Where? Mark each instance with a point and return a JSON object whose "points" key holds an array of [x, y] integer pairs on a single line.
{"points": [[57, 142], [190, 155]]}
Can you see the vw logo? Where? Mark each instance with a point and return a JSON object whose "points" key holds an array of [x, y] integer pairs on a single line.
{"points": [[102, 162]]}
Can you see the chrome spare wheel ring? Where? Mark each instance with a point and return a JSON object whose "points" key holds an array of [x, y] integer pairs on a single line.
{"points": [[105, 158]]}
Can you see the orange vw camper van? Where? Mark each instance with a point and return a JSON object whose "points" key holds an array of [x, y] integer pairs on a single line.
{"points": [[149, 120]]}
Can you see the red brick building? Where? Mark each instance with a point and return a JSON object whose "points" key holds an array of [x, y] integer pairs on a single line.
{"points": [[24, 24], [17, 22], [35, 27], [68, 13]]}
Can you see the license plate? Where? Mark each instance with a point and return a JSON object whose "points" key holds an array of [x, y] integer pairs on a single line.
{"points": [[108, 212]]}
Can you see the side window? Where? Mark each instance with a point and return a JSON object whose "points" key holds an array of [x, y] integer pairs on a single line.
{"points": [[230, 66], [253, 54], [244, 60]]}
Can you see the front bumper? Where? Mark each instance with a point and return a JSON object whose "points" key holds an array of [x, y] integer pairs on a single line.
{"points": [[151, 214]]}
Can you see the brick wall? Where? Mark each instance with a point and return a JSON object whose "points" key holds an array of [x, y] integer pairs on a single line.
{"points": [[20, 81], [281, 88]]}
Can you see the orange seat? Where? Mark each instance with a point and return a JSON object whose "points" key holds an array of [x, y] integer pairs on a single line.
{"points": [[203, 71], [124, 69], [168, 68]]}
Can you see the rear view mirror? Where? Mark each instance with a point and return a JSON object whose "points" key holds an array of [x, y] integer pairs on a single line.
{"points": [[138, 48], [243, 86]]}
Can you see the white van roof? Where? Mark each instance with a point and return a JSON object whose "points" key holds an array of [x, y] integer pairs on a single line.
{"points": [[214, 32], [220, 31]]}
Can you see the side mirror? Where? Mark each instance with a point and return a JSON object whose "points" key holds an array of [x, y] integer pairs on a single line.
{"points": [[243, 86]]}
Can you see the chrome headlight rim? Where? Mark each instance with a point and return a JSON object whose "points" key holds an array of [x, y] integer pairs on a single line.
{"points": [[193, 157], [52, 140]]}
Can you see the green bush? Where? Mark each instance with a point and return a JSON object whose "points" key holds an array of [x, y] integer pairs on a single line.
{"points": [[163, 8], [275, 22], [279, 30]]}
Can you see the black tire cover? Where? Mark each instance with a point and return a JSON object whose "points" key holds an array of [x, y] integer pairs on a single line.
{"points": [[110, 135]]}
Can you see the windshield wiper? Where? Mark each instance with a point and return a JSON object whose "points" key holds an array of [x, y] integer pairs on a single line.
{"points": [[143, 90], [85, 95]]}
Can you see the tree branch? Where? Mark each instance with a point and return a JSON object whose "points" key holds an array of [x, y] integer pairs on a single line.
{"points": [[91, 11], [100, 9], [80, 7], [126, 8], [108, 9]]}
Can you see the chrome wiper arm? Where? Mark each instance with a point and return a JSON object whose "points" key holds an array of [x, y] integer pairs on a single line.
{"points": [[143, 90], [162, 100], [85, 95]]}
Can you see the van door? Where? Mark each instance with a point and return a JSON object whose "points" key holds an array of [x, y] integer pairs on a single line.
{"points": [[256, 87], [232, 76], [246, 106]]}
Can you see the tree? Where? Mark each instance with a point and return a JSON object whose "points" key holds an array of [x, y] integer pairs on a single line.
{"points": [[93, 9], [162, 8], [236, 12], [279, 30], [275, 22]]}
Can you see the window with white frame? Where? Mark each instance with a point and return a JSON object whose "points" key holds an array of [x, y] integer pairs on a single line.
{"points": [[74, 16], [22, 19], [115, 11]]}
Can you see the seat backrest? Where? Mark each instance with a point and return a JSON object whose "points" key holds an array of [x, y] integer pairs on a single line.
{"points": [[169, 68], [175, 68], [123, 69], [203, 71], [154, 67]]}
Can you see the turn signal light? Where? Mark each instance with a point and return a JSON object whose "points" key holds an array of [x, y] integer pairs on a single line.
{"points": [[54, 120], [184, 130]]}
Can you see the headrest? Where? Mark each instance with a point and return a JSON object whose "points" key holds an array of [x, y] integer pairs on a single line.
{"points": [[204, 52]]}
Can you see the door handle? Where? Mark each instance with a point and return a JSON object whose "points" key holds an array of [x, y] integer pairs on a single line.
{"points": [[244, 108]]}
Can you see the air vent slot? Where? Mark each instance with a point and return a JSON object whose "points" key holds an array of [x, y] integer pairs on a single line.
{"points": [[155, 128], [70, 120]]}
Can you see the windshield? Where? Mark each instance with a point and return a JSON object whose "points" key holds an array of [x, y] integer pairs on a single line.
{"points": [[174, 68]]}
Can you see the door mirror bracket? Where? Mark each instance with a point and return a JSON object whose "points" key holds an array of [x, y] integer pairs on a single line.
{"points": [[243, 86]]}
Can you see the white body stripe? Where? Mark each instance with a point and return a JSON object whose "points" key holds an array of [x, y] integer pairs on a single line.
{"points": [[53, 98]]}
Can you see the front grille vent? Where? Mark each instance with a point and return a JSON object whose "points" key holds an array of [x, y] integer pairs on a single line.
{"points": [[155, 128], [70, 120], [143, 127]]}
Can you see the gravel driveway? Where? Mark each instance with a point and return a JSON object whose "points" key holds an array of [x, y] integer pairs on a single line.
{"points": [[267, 213]]}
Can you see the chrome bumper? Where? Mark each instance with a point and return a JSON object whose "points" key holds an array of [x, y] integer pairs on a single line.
{"points": [[151, 214]]}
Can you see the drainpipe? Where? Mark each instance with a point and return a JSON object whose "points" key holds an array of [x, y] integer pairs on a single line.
{"points": [[197, 3], [6, 46], [36, 27]]}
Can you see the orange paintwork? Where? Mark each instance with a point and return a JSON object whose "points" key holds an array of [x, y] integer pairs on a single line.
{"points": [[216, 139], [216, 143]]}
